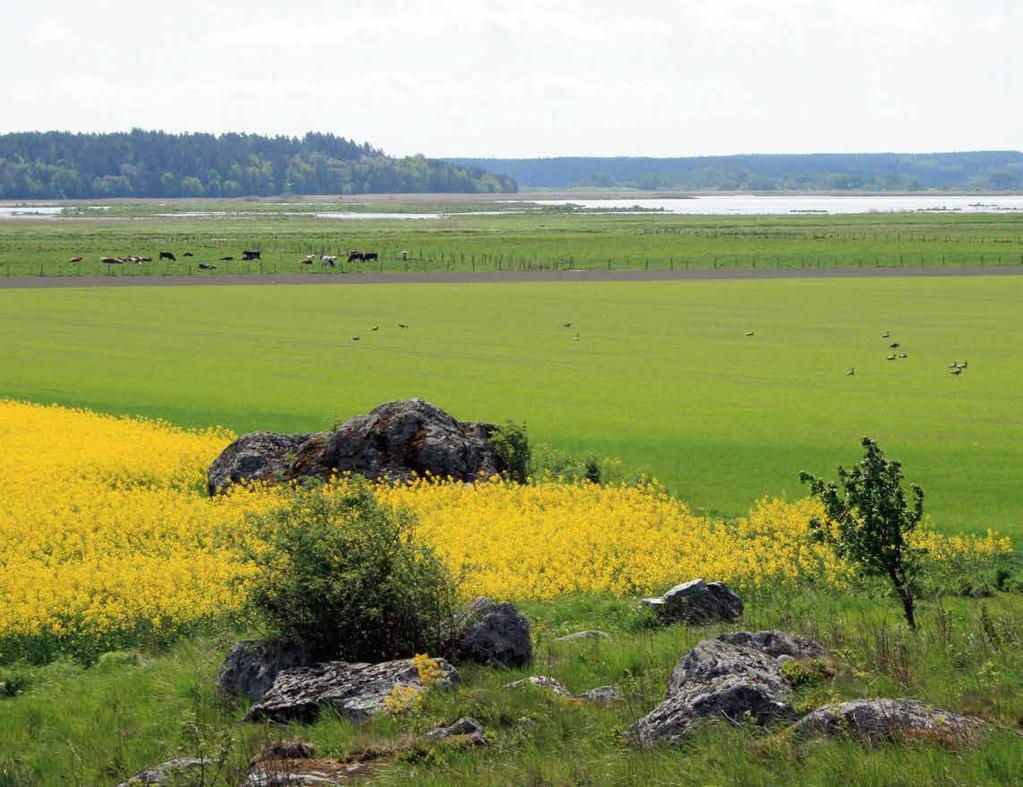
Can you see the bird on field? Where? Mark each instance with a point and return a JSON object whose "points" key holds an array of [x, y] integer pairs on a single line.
{"points": [[375, 328], [749, 333], [75, 259], [566, 325], [227, 259], [891, 357], [576, 337], [402, 325], [355, 338], [903, 355], [963, 365], [886, 335], [894, 345], [851, 372], [957, 371]]}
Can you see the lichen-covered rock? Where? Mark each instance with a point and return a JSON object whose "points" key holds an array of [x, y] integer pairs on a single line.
{"points": [[582, 635], [486, 632], [697, 602], [776, 643], [601, 695], [466, 728], [717, 680], [552, 685], [396, 440], [881, 720], [356, 691], [257, 456], [179, 771], [251, 667]]}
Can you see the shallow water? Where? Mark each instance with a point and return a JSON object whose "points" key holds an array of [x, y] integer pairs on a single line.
{"points": [[754, 204]]}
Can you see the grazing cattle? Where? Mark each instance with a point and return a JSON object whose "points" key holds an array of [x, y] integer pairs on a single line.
{"points": [[248, 256], [146, 259], [188, 254], [75, 259], [226, 259], [309, 259], [168, 255], [403, 254], [205, 266], [367, 256], [329, 259], [354, 255], [112, 260]]}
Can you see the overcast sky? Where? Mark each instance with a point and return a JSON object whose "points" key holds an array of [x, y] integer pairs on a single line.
{"points": [[529, 78]]}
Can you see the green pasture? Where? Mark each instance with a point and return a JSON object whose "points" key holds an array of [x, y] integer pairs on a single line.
{"points": [[663, 374], [535, 240]]}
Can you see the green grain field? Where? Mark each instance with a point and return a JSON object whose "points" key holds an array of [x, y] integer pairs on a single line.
{"points": [[663, 374]]}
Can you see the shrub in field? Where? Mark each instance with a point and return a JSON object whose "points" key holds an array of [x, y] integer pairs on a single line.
{"points": [[344, 577], [512, 445], [869, 522]]}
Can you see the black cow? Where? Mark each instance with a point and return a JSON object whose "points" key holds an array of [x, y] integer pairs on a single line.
{"points": [[248, 256], [226, 259], [167, 255], [355, 255], [188, 254], [205, 266], [368, 256]]}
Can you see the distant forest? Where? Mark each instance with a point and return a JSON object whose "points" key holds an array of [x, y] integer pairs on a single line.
{"points": [[980, 171], [62, 165]]}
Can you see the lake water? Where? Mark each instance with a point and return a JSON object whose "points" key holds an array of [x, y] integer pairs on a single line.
{"points": [[757, 205], [29, 212]]}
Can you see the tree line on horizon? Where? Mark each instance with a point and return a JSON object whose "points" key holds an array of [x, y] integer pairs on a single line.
{"points": [[977, 171], [65, 165]]}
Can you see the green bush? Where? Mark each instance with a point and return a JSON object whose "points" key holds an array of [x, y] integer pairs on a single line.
{"points": [[511, 443], [344, 578]]}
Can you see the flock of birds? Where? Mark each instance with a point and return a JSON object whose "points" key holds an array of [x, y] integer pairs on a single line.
{"points": [[401, 325], [956, 368]]}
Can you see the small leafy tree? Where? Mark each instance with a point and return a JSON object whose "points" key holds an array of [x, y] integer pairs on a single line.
{"points": [[511, 443], [869, 520], [343, 577]]}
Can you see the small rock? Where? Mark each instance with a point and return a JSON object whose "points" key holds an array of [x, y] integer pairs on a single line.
{"points": [[718, 680], [251, 666], [172, 772], [697, 602], [466, 728], [489, 633], [881, 720], [578, 635], [541, 681], [601, 695], [776, 643], [356, 691]]}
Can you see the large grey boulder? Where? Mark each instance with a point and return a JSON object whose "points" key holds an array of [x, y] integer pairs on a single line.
{"points": [[697, 602], [355, 691], [257, 456], [776, 644], [397, 440], [882, 720], [486, 632], [251, 667], [184, 770], [718, 680]]}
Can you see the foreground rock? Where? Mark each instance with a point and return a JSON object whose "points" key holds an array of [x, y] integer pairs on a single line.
{"points": [[185, 770], [718, 680], [251, 667], [356, 691], [883, 720], [776, 644], [395, 441], [602, 695], [697, 602], [291, 773], [466, 729], [486, 632]]}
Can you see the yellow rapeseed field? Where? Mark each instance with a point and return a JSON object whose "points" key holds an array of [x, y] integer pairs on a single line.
{"points": [[105, 529]]}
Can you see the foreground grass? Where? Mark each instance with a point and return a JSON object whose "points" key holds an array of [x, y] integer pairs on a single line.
{"points": [[75, 726], [663, 375]]}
